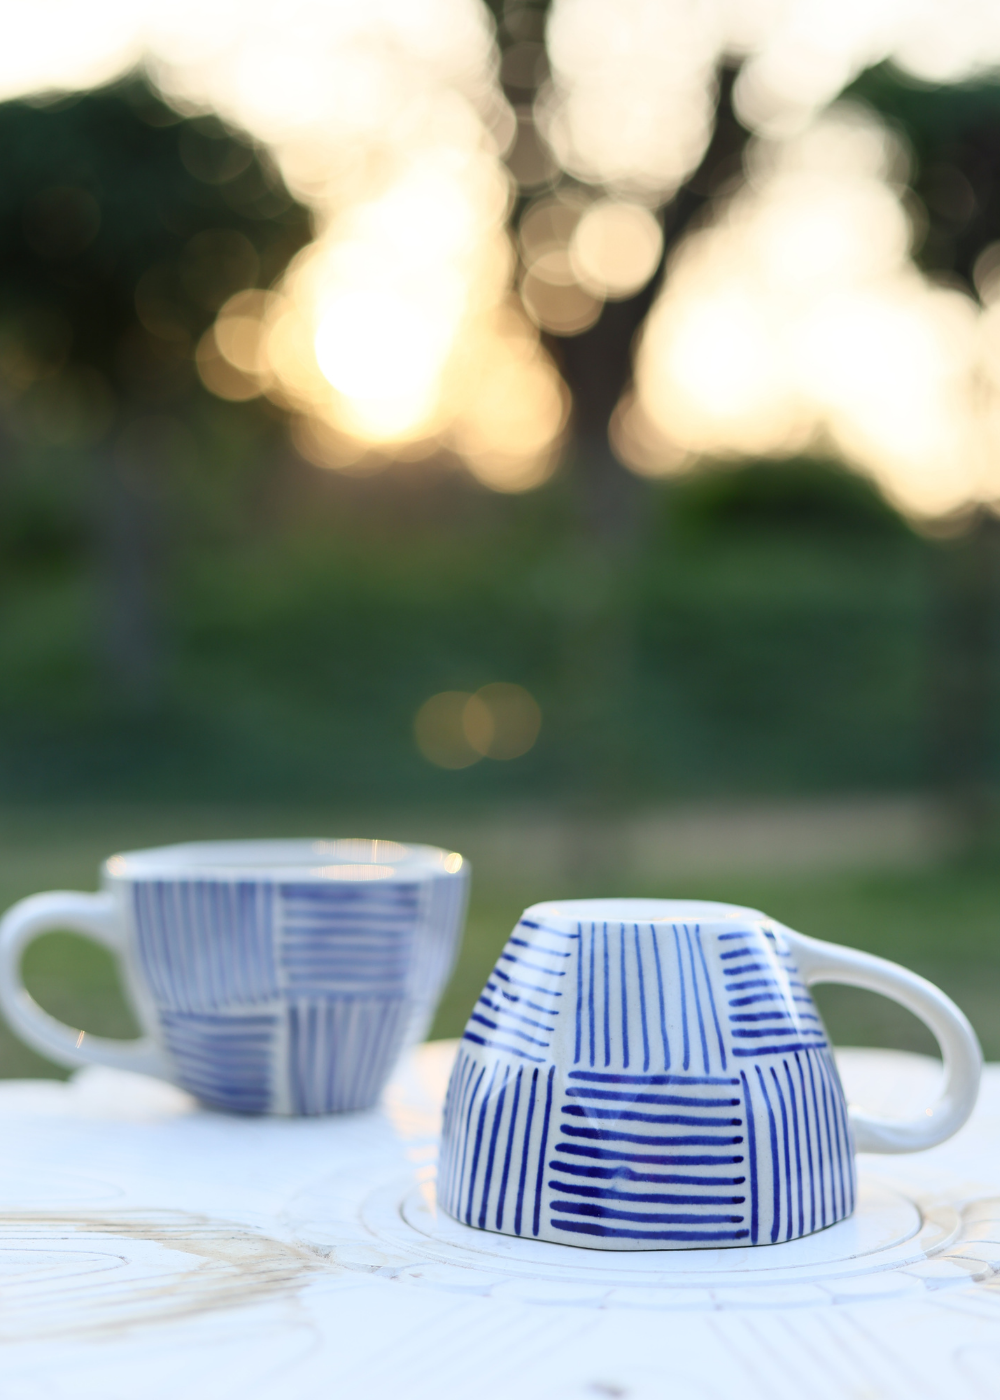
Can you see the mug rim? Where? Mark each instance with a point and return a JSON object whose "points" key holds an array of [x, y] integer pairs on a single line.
{"points": [[628, 910], [321, 859]]}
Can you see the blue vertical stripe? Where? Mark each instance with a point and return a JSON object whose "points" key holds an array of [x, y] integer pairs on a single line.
{"points": [[711, 998], [477, 1146], [775, 1170], [686, 1062], [752, 1156], [590, 997], [624, 994], [697, 999], [642, 1000], [509, 1149], [788, 1155], [798, 1155], [809, 1152], [491, 1154], [659, 988], [579, 992], [524, 1152], [607, 1002], [541, 1151]]}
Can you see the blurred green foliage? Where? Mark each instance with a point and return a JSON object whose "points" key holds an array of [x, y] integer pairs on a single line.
{"points": [[767, 630]]}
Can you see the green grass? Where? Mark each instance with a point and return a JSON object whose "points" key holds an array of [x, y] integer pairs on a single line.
{"points": [[943, 921]]}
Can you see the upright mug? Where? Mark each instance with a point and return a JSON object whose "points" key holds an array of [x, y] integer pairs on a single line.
{"points": [[654, 1074], [268, 976]]}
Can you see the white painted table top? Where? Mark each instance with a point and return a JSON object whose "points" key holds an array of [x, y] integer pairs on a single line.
{"points": [[150, 1250]]}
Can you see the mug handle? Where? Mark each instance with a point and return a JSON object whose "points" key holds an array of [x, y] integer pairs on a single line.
{"points": [[963, 1059], [95, 916]]}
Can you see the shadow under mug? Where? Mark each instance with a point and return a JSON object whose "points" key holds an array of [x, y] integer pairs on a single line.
{"points": [[654, 1074], [268, 976]]}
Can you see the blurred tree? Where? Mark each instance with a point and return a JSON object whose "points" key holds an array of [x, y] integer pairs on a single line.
{"points": [[955, 178], [123, 228]]}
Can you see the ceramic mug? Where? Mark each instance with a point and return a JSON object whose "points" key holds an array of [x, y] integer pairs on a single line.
{"points": [[653, 1074], [268, 976]]}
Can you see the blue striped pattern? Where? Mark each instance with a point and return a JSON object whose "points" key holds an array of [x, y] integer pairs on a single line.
{"points": [[354, 939], [497, 1130], [644, 1000], [655, 1158], [646, 1086], [520, 1002], [204, 944], [342, 1050], [769, 1008], [802, 1174], [298, 996], [226, 1061]]}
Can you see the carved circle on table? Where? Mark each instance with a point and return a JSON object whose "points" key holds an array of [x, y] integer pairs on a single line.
{"points": [[81, 1273], [892, 1246]]}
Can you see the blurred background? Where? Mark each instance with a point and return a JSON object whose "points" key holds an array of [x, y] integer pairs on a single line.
{"points": [[565, 432]]}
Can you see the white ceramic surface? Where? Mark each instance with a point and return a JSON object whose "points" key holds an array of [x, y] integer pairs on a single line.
{"points": [[149, 1248]]}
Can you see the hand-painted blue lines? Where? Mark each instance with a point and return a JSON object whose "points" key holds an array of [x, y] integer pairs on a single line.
{"points": [[295, 996], [644, 999], [340, 1050], [226, 1061], [206, 944], [640, 1142], [801, 1156], [495, 1138], [654, 1085], [500, 1020], [780, 994], [352, 939]]}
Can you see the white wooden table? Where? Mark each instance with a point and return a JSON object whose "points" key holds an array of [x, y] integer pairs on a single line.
{"points": [[151, 1249]]}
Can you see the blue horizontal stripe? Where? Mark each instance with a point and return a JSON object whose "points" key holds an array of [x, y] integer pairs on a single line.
{"points": [[688, 1140], [528, 986], [531, 967], [498, 1045], [560, 933], [505, 1030], [595, 1076], [724, 937], [754, 982], [375, 897], [645, 1178], [586, 1227], [200, 1019], [775, 1030], [675, 1120], [515, 1015], [747, 967], [620, 1096], [785, 1049], [736, 1017], [605, 1155], [523, 1001], [549, 952], [642, 1217], [644, 1198]]}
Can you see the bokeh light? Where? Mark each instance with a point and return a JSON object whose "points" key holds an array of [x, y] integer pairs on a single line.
{"points": [[456, 728], [797, 320], [389, 122], [615, 248]]}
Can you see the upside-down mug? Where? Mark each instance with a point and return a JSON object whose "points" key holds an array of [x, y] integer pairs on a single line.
{"points": [[268, 976], [654, 1074]]}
